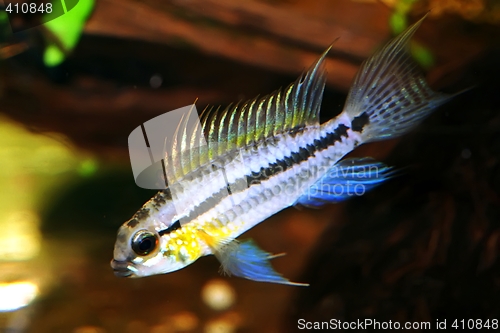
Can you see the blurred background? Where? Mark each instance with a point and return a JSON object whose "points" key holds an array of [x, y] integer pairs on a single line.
{"points": [[421, 247]]}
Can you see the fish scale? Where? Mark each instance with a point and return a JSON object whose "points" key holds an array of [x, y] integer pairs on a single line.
{"points": [[213, 182], [272, 201], [238, 166]]}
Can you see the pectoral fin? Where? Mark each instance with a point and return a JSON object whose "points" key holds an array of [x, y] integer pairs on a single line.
{"points": [[247, 260]]}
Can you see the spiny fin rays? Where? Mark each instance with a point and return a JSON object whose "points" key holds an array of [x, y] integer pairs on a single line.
{"points": [[390, 91], [245, 124]]}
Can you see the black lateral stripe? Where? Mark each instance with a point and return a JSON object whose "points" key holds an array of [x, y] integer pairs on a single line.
{"points": [[359, 122], [174, 226], [298, 157], [271, 170], [304, 153]]}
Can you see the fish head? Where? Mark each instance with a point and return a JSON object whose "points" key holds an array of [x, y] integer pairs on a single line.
{"points": [[146, 245]]}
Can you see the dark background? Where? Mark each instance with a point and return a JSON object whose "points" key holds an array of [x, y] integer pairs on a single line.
{"points": [[421, 247]]}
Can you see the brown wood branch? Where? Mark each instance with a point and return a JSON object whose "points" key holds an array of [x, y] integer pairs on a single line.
{"points": [[99, 121], [281, 38], [290, 24], [129, 19]]}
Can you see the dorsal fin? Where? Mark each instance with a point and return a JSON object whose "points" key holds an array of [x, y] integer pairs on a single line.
{"points": [[245, 124]]}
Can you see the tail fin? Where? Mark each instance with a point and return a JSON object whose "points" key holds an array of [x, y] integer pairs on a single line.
{"points": [[390, 95]]}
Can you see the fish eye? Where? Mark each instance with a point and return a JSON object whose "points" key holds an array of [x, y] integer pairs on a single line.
{"points": [[144, 242]]}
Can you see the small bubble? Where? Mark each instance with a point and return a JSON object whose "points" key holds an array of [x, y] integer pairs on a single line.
{"points": [[155, 81], [218, 294], [466, 153]]}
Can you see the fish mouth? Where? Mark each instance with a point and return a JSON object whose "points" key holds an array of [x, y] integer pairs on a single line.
{"points": [[121, 268]]}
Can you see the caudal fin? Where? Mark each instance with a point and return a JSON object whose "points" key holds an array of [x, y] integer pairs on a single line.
{"points": [[390, 95]]}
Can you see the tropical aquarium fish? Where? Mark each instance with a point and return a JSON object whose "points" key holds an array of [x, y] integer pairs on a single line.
{"points": [[265, 155]]}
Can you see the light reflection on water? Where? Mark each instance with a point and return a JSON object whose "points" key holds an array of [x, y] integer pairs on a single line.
{"points": [[32, 167], [16, 295]]}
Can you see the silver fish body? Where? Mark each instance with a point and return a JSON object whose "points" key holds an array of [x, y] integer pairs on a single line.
{"points": [[268, 154]]}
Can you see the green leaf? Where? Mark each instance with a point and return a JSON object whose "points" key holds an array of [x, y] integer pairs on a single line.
{"points": [[53, 56], [67, 28]]}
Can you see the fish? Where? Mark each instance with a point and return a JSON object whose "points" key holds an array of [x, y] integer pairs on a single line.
{"points": [[265, 155]]}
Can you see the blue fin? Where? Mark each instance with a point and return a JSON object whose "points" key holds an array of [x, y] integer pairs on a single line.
{"points": [[348, 178], [248, 261]]}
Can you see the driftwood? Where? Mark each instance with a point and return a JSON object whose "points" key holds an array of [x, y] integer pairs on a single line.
{"points": [[219, 51], [247, 32]]}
